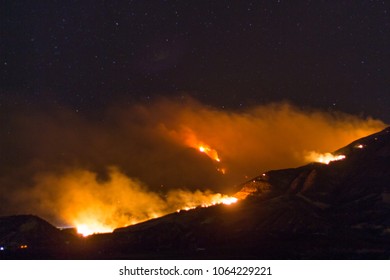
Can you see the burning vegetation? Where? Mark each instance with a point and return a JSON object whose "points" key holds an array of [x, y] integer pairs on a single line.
{"points": [[166, 155], [324, 158], [92, 225], [93, 205], [211, 153]]}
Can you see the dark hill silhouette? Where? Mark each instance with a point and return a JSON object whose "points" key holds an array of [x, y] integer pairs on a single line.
{"points": [[317, 211], [28, 236], [339, 210]]}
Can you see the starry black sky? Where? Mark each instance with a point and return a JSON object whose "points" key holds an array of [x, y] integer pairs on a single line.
{"points": [[331, 55]]}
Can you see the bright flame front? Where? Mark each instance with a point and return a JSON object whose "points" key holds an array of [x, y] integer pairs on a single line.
{"points": [[215, 199], [324, 158], [91, 226], [211, 153], [229, 200], [121, 201], [191, 140]]}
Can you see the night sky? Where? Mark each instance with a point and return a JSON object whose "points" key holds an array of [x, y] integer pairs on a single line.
{"points": [[85, 55], [123, 110]]}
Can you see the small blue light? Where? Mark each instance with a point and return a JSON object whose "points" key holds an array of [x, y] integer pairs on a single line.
{"points": [[1, 248]]}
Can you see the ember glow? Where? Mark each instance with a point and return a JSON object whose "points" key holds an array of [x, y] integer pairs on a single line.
{"points": [[91, 228], [324, 158], [162, 152], [192, 140], [212, 200], [91, 225], [211, 153], [93, 205], [229, 200]]}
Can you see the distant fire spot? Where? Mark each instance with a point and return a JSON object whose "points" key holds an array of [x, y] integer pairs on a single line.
{"points": [[324, 158]]}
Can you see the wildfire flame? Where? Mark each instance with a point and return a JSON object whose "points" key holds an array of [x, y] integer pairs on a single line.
{"points": [[211, 153], [100, 207], [215, 200], [191, 140], [229, 200], [324, 158], [90, 226]]}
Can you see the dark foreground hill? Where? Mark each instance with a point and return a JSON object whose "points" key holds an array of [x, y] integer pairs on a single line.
{"points": [[317, 211], [28, 236]]}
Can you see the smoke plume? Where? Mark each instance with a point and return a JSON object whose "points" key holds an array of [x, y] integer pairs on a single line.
{"points": [[59, 164]]}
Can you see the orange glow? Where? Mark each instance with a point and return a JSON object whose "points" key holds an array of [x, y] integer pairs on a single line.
{"points": [[92, 227], [229, 200], [222, 170], [165, 143], [191, 140], [95, 206], [325, 158], [213, 200], [211, 153], [273, 136]]}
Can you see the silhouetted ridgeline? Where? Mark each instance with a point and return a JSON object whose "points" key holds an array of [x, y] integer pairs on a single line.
{"points": [[317, 211]]}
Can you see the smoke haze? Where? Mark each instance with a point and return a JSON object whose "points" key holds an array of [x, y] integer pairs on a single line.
{"points": [[136, 160]]}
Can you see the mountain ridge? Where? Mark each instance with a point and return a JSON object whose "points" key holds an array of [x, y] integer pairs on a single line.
{"points": [[339, 210]]}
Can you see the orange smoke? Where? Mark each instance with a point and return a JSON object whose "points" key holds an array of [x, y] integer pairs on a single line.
{"points": [[191, 140], [261, 138], [92, 206], [168, 145]]}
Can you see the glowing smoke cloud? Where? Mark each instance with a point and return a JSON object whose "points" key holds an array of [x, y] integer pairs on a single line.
{"points": [[54, 163], [81, 200]]}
